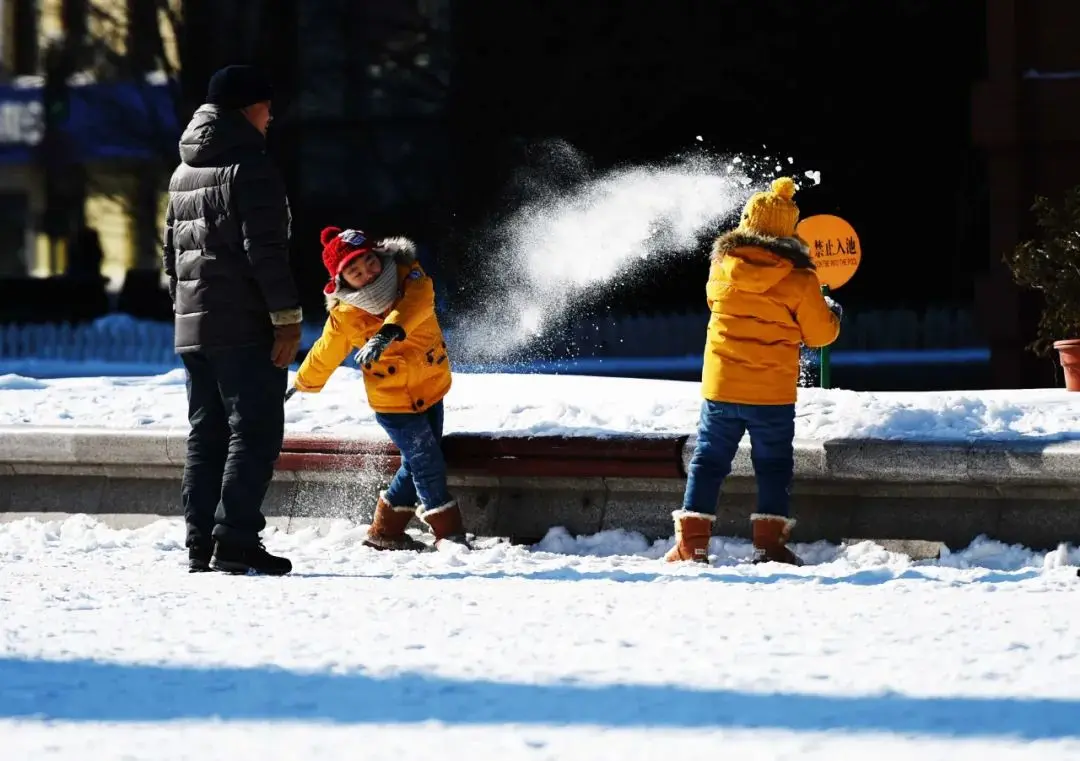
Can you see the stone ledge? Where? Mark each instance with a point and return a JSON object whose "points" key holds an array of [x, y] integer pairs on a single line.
{"points": [[322, 457], [84, 446], [907, 461]]}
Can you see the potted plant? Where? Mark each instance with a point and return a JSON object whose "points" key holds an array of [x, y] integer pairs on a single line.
{"points": [[1050, 263]]}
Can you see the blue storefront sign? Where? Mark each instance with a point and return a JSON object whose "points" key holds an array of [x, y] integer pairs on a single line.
{"points": [[106, 120]]}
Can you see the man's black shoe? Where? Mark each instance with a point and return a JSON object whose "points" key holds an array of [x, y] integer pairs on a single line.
{"points": [[247, 558], [198, 558]]}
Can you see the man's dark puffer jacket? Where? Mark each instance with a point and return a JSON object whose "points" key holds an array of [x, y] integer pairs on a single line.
{"points": [[226, 244]]}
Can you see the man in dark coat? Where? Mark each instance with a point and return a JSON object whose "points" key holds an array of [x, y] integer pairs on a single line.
{"points": [[237, 319]]}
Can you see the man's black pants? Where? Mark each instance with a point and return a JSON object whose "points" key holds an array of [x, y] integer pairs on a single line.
{"points": [[236, 408]]}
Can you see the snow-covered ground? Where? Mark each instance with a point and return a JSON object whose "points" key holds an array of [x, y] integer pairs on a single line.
{"points": [[570, 405], [578, 648]]}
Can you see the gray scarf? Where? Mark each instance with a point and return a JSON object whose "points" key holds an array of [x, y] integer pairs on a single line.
{"points": [[376, 297]]}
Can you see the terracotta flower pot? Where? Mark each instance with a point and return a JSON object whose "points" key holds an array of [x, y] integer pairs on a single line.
{"points": [[1069, 356]]}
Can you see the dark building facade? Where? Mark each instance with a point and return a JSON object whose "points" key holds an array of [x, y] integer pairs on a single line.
{"points": [[363, 133], [1024, 117]]}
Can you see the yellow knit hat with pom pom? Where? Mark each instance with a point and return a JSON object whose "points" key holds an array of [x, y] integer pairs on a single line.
{"points": [[772, 213]]}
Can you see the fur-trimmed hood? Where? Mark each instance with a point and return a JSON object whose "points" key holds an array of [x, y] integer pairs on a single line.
{"points": [[795, 250], [755, 263], [402, 249], [394, 251]]}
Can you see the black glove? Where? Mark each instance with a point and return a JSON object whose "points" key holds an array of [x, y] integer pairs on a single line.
{"points": [[834, 307], [376, 345]]}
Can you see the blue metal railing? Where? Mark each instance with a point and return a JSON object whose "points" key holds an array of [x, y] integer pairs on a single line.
{"points": [[120, 345]]}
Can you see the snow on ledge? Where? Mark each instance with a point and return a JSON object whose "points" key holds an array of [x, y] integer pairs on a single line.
{"points": [[562, 405]]}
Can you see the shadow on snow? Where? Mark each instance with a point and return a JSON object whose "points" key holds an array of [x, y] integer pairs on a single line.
{"points": [[109, 692]]}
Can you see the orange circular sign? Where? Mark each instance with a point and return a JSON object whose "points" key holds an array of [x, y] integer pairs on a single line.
{"points": [[834, 248]]}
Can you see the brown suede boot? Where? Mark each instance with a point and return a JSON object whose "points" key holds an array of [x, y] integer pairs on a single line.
{"points": [[446, 524], [692, 532], [770, 539], [387, 530]]}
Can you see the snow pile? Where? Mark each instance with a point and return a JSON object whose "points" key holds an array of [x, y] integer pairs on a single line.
{"points": [[559, 554], [523, 405]]}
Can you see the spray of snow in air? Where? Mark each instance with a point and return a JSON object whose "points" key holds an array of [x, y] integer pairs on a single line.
{"points": [[568, 237]]}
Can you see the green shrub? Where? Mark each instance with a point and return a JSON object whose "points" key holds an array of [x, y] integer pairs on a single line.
{"points": [[1051, 265]]}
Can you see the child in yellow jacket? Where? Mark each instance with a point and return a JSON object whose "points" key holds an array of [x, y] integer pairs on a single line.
{"points": [[380, 301], [765, 300]]}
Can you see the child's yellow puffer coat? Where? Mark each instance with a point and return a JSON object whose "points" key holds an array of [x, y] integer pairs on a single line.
{"points": [[765, 300], [413, 374]]}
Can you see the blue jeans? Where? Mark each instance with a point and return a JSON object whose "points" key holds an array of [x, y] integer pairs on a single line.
{"points": [[772, 433], [422, 475]]}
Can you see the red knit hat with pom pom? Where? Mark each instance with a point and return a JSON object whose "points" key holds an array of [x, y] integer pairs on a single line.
{"points": [[342, 246]]}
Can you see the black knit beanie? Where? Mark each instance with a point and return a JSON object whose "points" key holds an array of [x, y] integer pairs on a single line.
{"points": [[235, 87]]}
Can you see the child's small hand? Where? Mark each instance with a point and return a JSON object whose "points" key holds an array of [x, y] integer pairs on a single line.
{"points": [[834, 307], [376, 345]]}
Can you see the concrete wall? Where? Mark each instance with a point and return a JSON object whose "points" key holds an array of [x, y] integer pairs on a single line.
{"points": [[1022, 492]]}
